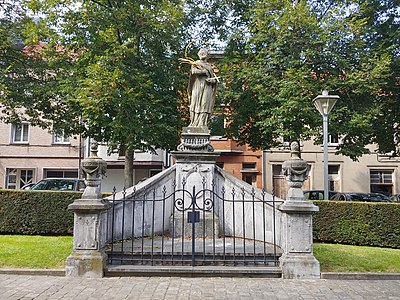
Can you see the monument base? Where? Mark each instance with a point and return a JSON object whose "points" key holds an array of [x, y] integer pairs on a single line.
{"points": [[86, 263], [195, 139], [299, 266]]}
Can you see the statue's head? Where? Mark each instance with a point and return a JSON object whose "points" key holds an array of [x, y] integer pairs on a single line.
{"points": [[203, 53]]}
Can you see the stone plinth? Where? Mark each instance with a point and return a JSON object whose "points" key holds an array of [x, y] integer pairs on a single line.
{"points": [[297, 260], [195, 171], [88, 258], [195, 139]]}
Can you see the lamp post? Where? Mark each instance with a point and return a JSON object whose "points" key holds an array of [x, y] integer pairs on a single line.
{"points": [[324, 104]]}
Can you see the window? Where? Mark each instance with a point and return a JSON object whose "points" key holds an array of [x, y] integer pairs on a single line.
{"points": [[333, 169], [333, 139], [49, 173], [381, 181], [277, 170], [17, 178], [250, 179], [20, 133], [249, 165], [334, 177], [217, 125], [60, 139]]}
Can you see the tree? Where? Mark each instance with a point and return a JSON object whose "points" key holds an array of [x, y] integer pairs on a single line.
{"points": [[110, 70], [295, 49]]}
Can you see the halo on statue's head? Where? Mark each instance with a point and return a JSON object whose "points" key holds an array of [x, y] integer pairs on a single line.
{"points": [[198, 43]]}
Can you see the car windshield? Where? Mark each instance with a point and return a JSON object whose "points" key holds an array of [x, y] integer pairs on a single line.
{"points": [[56, 185]]}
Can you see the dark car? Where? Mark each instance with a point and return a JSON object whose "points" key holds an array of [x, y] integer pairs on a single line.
{"points": [[60, 184], [317, 194], [395, 198], [376, 197], [350, 197], [364, 197]]}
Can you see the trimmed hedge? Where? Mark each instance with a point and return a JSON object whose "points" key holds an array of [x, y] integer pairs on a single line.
{"points": [[36, 212], [354, 223], [357, 223]]}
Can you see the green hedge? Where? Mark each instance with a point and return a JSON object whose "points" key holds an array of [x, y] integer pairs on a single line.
{"points": [[36, 212], [354, 223], [357, 223]]}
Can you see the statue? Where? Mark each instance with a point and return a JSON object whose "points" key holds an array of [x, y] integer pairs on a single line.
{"points": [[201, 90]]}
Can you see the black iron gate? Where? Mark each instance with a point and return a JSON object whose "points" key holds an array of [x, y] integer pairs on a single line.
{"points": [[192, 227]]}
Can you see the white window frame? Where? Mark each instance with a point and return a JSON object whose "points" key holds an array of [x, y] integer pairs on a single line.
{"points": [[335, 137], [19, 182], [24, 127], [61, 139]]}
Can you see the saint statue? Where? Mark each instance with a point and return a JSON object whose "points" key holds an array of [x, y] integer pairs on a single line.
{"points": [[201, 90]]}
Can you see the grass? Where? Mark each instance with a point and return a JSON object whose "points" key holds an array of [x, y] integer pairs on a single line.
{"points": [[49, 252], [345, 258], [34, 252]]}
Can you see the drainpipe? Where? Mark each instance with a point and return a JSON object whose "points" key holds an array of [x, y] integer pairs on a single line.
{"points": [[263, 175]]}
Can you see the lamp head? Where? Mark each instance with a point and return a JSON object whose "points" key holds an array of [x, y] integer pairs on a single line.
{"points": [[325, 102]]}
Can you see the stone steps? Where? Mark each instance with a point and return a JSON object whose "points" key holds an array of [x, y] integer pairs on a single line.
{"points": [[188, 271]]}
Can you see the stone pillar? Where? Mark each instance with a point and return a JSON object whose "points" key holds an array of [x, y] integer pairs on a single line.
{"points": [[88, 258], [195, 169], [297, 260]]}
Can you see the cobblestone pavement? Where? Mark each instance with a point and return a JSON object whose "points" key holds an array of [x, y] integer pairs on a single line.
{"points": [[52, 287]]}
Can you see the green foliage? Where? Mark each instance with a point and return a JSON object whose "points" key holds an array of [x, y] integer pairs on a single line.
{"points": [[293, 50], [105, 69], [36, 212], [357, 223]]}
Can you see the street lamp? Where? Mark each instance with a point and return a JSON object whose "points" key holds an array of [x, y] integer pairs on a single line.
{"points": [[324, 104]]}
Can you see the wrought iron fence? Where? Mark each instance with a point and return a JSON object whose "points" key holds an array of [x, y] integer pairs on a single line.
{"points": [[185, 226]]}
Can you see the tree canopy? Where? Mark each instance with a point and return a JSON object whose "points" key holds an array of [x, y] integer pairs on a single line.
{"points": [[293, 50], [108, 69]]}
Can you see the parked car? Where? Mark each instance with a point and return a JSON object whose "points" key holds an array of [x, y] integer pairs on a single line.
{"points": [[60, 184], [317, 194], [377, 197], [28, 186], [350, 197], [395, 198], [364, 197]]}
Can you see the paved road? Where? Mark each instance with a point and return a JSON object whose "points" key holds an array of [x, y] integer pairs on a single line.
{"points": [[52, 287]]}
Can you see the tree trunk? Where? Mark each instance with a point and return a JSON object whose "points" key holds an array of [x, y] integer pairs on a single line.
{"points": [[128, 168]]}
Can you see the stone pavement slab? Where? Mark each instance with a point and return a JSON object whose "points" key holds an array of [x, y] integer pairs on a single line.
{"points": [[177, 288]]}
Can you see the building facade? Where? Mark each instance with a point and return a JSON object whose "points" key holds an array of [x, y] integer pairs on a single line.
{"points": [[239, 160], [29, 154], [372, 173], [145, 165]]}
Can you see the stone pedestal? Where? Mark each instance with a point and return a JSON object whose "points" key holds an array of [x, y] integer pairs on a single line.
{"points": [[88, 258], [195, 168], [195, 139], [297, 261]]}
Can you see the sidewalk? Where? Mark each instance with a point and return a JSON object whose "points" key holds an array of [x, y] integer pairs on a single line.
{"points": [[176, 288]]}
